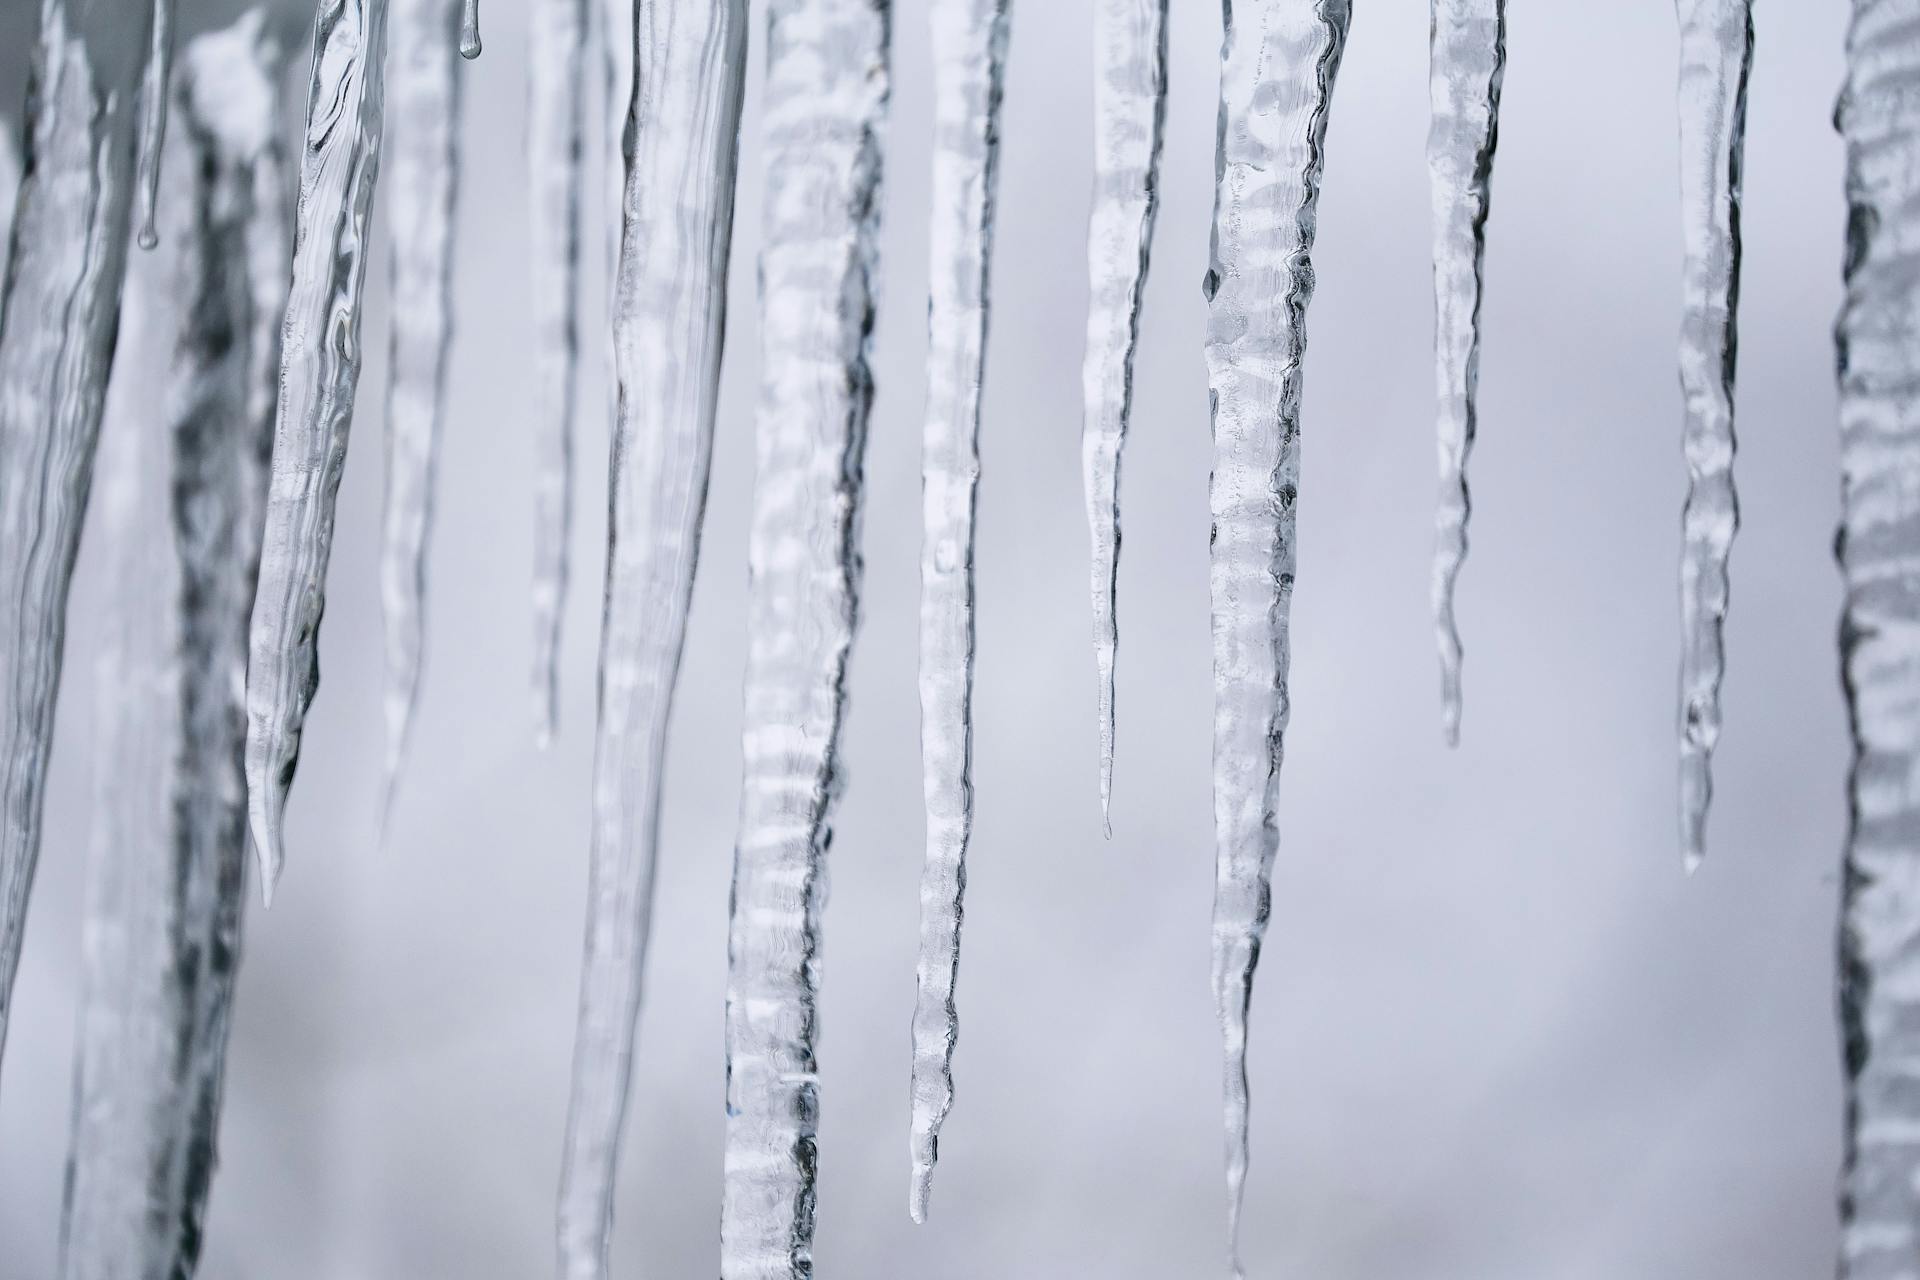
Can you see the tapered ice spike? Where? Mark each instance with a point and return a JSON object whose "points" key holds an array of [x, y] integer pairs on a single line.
{"points": [[155, 89], [969, 49], [1716, 54], [1278, 66], [1129, 117], [1467, 65], [470, 29], [669, 323], [319, 373]]}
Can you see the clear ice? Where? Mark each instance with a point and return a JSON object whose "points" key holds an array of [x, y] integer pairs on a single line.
{"points": [[824, 115], [183, 485], [1129, 118], [1716, 53], [320, 369], [62, 314], [421, 189], [682, 142], [1468, 62], [1278, 66], [1879, 551], [470, 29], [155, 89]]}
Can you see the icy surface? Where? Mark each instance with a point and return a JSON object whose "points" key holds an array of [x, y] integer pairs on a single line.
{"points": [[320, 369], [1879, 550], [826, 96], [1469, 55], [555, 124], [1129, 116], [155, 91], [184, 469], [1716, 52], [1276, 86], [670, 313], [63, 309], [421, 189]]}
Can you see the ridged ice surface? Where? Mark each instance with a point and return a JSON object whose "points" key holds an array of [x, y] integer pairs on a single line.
{"points": [[1276, 85], [1468, 62], [1716, 52], [421, 162], [1879, 546], [62, 312], [184, 471], [826, 96], [320, 369], [1129, 116], [669, 322], [969, 50], [155, 92], [556, 117]]}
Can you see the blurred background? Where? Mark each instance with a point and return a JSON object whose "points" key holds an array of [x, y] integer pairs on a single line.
{"points": [[1497, 1033]]}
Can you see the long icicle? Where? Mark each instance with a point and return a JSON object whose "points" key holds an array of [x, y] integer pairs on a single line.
{"points": [[182, 509], [1129, 118], [422, 191], [319, 372], [62, 312], [683, 125], [155, 89], [826, 100], [970, 50], [1278, 66], [555, 156], [1879, 552], [1468, 63], [1716, 54]]}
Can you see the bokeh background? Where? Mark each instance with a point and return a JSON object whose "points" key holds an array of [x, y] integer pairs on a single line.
{"points": [[1497, 1033]]}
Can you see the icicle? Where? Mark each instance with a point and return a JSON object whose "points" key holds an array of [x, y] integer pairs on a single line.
{"points": [[63, 309], [422, 188], [1469, 56], [154, 91], [554, 144], [470, 29], [825, 110], [1716, 52], [970, 46], [1129, 113], [1879, 551], [9, 192], [683, 137], [1277, 72], [182, 506], [320, 368]]}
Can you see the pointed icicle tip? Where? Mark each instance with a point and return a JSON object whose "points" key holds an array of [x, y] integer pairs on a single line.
{"points": [[268, 848], [470, 30], [921, 1193]]}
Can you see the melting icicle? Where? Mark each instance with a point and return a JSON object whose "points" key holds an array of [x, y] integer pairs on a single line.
{"points": [[1469, 56], [470, 29], [63, 308], [1129, 114], [683, 127], [182, 506], [1277, 72], [970, 48], [154, 91], [1716, 52], [826, 99], [320, 368], [554, 145], [422, 161], [1879, 550]]}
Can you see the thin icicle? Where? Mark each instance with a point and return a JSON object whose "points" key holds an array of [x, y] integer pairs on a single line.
{"points": [[182, 506], [683, 126], [1716, 53], [1879, 552], [155, 89], [62, 312], [1468, 63], [1129, 115], [422, 190], [556, 121], [1278, 66], [9, 192], [470, 29], [969, 49], [826, 98], [320, 369]]}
